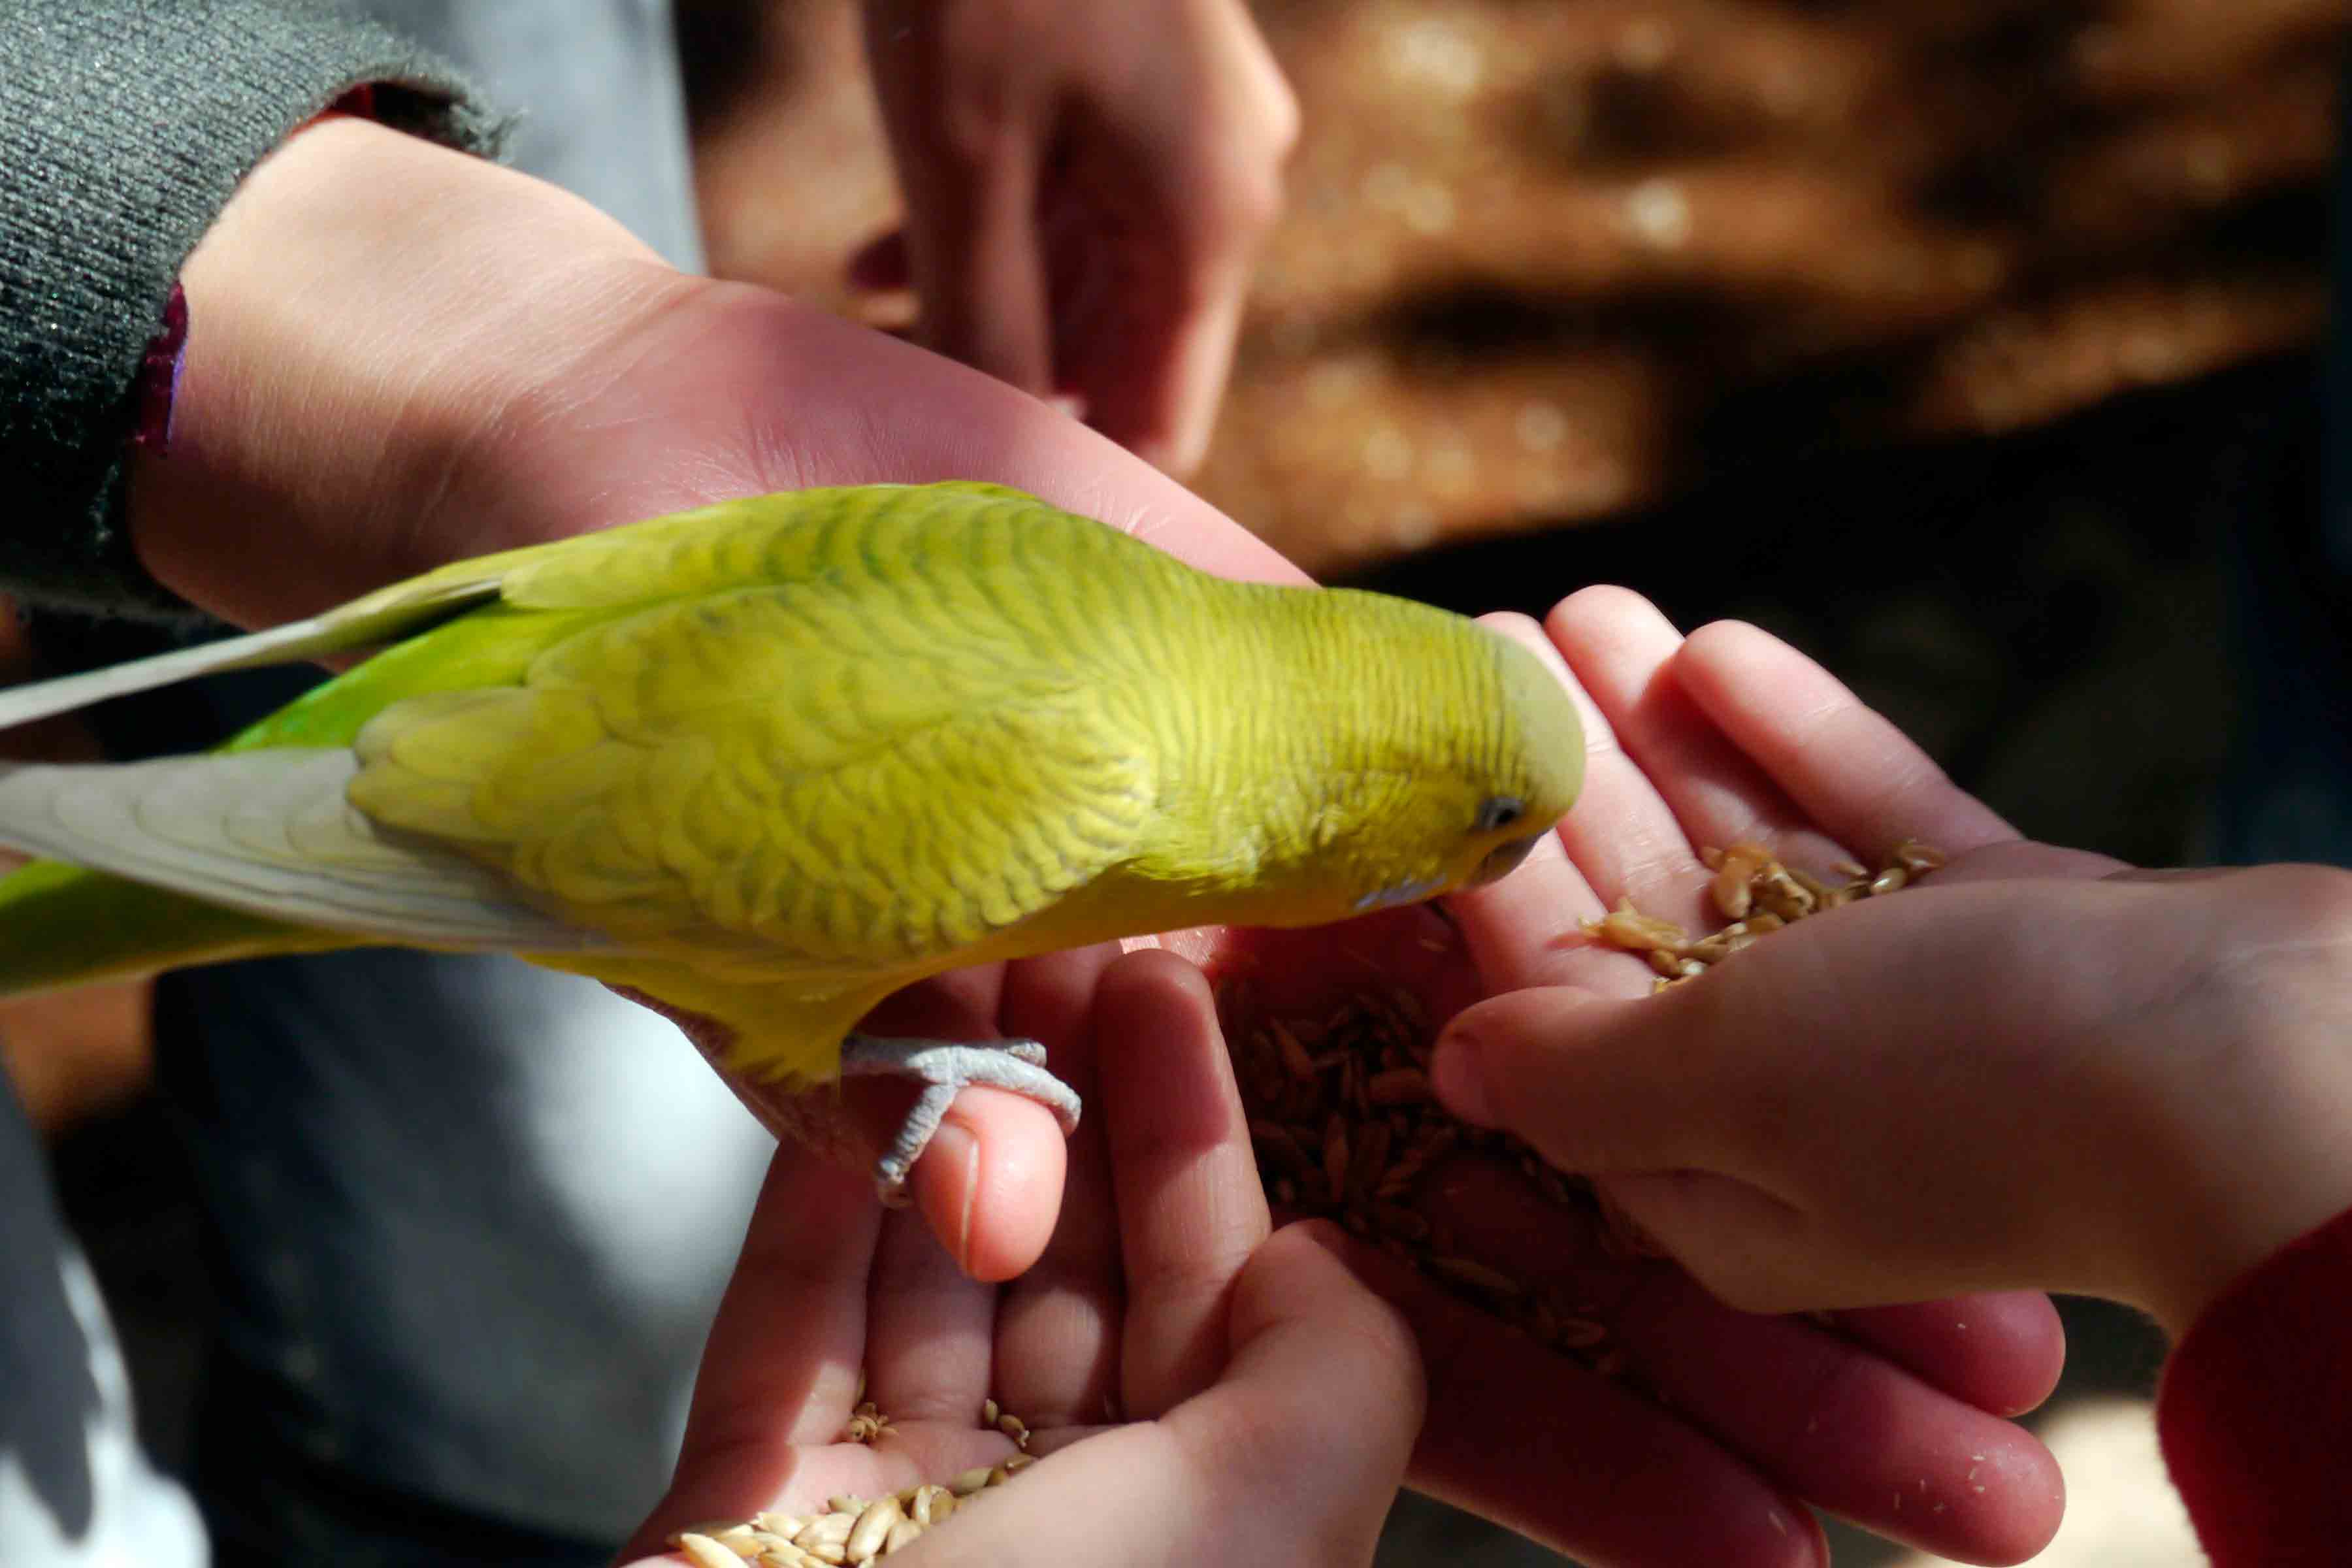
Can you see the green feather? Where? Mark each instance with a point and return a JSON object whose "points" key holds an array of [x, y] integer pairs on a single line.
{"points": [[66, 926], [62, 926]]}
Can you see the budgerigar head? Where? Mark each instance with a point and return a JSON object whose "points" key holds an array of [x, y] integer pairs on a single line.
{"points": [[1454, 752]]}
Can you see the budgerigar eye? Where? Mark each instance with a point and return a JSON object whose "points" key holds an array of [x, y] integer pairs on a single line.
{"points": [[1499, 812]]}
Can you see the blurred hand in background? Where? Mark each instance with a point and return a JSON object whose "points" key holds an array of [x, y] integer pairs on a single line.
{"points": [[1086, 186]]}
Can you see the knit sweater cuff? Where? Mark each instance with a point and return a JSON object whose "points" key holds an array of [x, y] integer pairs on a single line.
{"points": [[124, 128]]}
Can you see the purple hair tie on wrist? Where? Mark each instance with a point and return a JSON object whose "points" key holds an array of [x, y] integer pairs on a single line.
{"points": [[158, 376]]}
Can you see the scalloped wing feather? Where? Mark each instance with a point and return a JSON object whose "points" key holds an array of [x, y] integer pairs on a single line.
{"points": [[763, 778], [760, 539]]}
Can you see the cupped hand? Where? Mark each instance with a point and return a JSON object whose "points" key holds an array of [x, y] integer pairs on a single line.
{"points": [[2035, 1069], [1196, 1390], [1087, 186], [1723, 1422], [366, 395]]}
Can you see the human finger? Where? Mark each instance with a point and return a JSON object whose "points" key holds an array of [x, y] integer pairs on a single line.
{"points": [[1178, 183], [1848, 769], [1295, 1449], [2001, 1351], [1628, 655], [990, 1184], [1621, 833], [930, 1328], [1150, 362], [1057, 1322], [780, 1369], [1528, 929], [1587, 1464], [1190, 1208], [967, 140], [1826, 1419], [1600, 1085], [1675, 1105]]}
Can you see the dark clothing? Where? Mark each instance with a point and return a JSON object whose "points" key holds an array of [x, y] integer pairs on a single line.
{"points": [[124, 127]]}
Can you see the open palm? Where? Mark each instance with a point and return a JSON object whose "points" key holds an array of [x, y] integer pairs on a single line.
{"points": [[1139, 1325]]}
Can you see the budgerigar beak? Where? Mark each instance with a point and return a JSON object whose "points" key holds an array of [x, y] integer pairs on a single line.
{"points": [[1502, 860]]}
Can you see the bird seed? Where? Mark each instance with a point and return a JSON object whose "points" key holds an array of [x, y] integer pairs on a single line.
{"points": [[855, 1530], [1346, 1127]]}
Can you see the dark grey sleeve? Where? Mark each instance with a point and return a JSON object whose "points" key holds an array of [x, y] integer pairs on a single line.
{"points": [[124, 127]]}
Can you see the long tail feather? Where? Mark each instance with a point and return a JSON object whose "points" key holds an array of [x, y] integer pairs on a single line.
{"points": [[62, 926], [394, 612]]}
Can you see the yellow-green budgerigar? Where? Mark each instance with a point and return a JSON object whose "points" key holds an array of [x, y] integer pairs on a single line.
{"points": [[762, 763]]}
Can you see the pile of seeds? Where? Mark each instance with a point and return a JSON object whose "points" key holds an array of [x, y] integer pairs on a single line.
{"points": [[852, 1530], [1757, 894], [1345, 1125]]}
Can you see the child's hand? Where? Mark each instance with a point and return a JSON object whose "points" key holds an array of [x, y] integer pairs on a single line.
{"points": [[2034, 1070], [1201, 1392], [1882, 1414]]}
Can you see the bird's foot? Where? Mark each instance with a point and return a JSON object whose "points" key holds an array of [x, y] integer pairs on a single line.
{"points": [[943, 1066]]}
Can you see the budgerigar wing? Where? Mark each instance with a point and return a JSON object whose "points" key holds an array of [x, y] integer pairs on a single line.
{"points": [[809, 779]]}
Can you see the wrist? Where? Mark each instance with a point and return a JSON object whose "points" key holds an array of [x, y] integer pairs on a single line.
{"points": [[364, 308], [2258, 1143], [159, 370]]}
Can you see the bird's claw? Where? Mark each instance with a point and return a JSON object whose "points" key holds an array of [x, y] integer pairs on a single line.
{"points": [[944, 1068]]}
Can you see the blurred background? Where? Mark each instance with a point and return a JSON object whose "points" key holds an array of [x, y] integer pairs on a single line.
{"points": [[1963, 342]]}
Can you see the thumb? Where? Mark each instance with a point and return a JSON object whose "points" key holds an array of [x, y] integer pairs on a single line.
{"points": [[1597, 1085], [1658, 1099]]}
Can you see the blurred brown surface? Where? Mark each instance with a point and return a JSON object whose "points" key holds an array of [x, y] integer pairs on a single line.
{"points": [[1537, 253], [72, 1055], [77, 1055]]}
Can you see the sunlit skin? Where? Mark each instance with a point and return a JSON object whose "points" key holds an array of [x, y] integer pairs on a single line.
{"points": [[354, 411], [1855, 1413], [2143, 1109], [1086, 186]]}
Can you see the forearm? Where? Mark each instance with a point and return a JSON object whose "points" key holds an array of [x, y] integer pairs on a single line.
{"points": [[124, 128]]}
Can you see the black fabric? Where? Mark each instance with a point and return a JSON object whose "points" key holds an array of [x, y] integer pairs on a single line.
{"points": [[124, 128]]}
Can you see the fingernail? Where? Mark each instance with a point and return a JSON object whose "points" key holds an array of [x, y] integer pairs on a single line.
{"points": [[1458, 1073]]}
